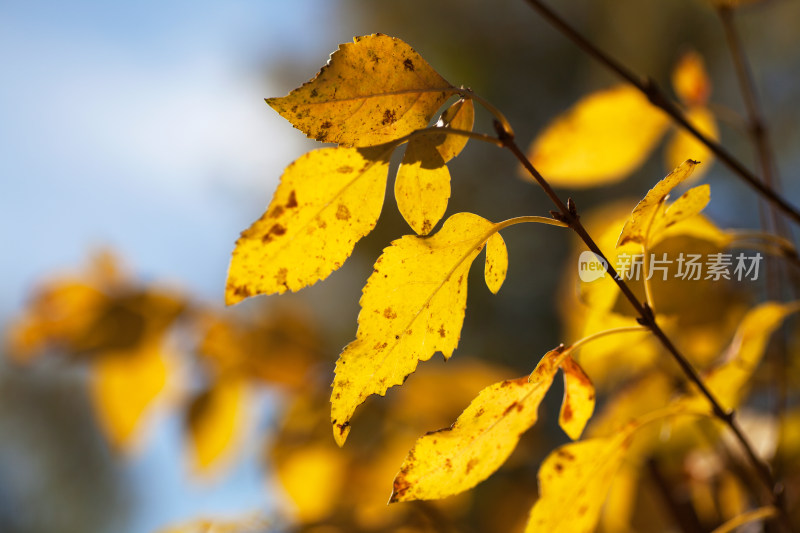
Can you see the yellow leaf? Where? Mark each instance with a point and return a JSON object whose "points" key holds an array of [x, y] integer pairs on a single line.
{"points": [[728, 381], [455, 459], [691, 83], [683, 145], [600, 140], [579, 397], [215, 419], [636, 227], [412, 306], [459, 116], [327, 200], [422, 187], [123, 387], [373, 90], [312, 476], [688, 205], [496, 263], [574, 481]]}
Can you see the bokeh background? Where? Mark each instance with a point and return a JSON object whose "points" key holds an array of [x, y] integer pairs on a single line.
{"points": [[140, 127]]}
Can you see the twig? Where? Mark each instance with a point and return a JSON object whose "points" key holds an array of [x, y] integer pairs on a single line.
{"points": [[658, 98]]}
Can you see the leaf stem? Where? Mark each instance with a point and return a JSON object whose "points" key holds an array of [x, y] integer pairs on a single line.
{"points": [[522, 220], [647, 319], [464, 91], [749, 516], [600, 334], [437, 130], [658, 98]]}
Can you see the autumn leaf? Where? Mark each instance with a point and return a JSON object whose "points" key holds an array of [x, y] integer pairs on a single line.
{"points": [[455, 459], [373, 90], [683, 145], [579, 397], [636, 227], [600, 140], [459, 116], [496, 263], [574, 481], [327, 200], [215, 419], [412, 306], [690, 80]]}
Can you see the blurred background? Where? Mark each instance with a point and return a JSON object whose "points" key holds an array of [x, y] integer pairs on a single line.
{"points": [[140, 128]]}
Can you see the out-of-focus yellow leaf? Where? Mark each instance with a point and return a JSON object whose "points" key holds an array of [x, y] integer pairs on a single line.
{"points": [[459, 116], [124, 386], [245, 525], [636, 227], [683, 145], [372, 91], [422, 187], [496, 265], [578, 404], [621, 501], [312, 476], [600, 140], [729, 381], [574, 481], [215, 420], [327, 200], [691, 83], [455, 459], [412, 306]]}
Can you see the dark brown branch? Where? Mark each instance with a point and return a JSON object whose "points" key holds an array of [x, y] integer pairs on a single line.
{"points": [[658, 98]]}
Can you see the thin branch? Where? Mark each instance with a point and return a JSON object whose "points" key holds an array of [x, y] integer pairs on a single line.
{"points": [[750, 516], [658, 98]]}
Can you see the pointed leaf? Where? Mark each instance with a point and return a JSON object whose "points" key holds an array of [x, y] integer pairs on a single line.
{"points": [[412, 306], [455, 459], [636, 227], [496, 263], [579, 398], [422, 187], [373, 90], [327, 200], [574, 481], [600, 140], [691, 203]]}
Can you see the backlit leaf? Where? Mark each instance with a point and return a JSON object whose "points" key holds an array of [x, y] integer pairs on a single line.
{"points": [[312, 475], [690, 81], [636, 227], [123, 388], [373, 90], [496, 263], [683, 145], [689, 204], [412, 306], [327, 200], [579, 397], [215, 420], [459, 116], [422, 187], [574, 481], [600, 140], [455, 459]]}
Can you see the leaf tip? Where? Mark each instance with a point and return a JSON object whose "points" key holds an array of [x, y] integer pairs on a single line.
{"points": [[340, 432]]}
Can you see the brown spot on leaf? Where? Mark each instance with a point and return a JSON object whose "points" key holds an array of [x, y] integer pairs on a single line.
{"points": [[509, 408], [344, 169], [566, 413], [559, 467], [276, 230], [313, 93], [325, 125], [409, 65], [292, 202], [242, 291], [565, 454], [471, 464], [389, 313], [389, 116], [280, 277], [276, 211], [342, 213]]}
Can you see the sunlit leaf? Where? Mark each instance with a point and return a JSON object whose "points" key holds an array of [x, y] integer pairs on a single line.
{"points": [[312, 476], [372, 91], [683, 145], [691, 83], [457, 458], [459, 116], [327, 200], [689, 204], [412, 306], [123, 387], [579, 397], [215, 420], [422, 187], [496, 263], [601, 139], [574, 481], [636, 227]]}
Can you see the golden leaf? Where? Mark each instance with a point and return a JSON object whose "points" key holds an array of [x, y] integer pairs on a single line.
{"points": [[459, 116], [373, 90], [422, 187], [123, 387], [412, 306], [455, 459], [327, 200], [312, 475], [604, 137], [690, 81], [574, 481], [683, 145], [215, 420], [496, 263], [686, 206], [636, 227], [578, 404]]}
